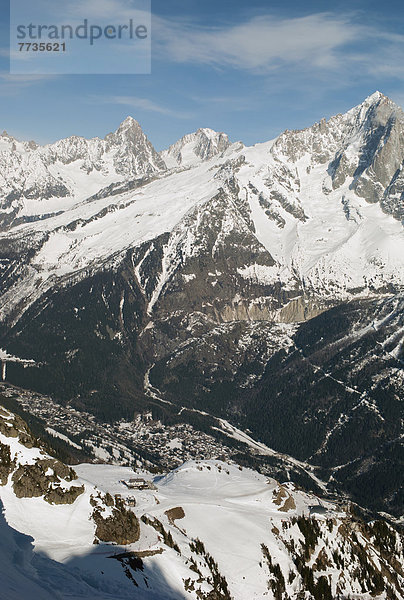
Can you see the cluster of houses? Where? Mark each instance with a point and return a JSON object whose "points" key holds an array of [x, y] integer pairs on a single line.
{"points": [[121, 442]]}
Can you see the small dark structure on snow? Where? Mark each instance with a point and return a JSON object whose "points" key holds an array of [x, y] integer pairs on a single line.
{"points": [[138, 483], [317, 509]]}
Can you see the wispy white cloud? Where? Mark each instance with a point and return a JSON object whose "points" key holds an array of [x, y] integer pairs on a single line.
{"points": [[262, 43], [145, 104], [315, 44]]}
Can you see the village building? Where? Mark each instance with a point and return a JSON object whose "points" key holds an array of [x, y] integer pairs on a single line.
{"points": [[137, 483]]}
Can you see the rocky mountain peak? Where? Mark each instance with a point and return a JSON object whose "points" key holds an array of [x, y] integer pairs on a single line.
{"points": [[129, 125], [379, 99], [377, 109], [210, 143], [207, 131], [195, 147], [55, 170], [134, 152], [8, 142], [372, 153], [129, 130], [375, 97], [363, 150]]}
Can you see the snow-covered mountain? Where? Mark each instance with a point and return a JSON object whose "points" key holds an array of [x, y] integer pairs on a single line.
{"points": [[69, 170], [208, 530], [299, 204], [193, 272], [195, 147]]}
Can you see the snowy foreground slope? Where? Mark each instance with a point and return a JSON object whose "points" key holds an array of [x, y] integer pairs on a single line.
{"points": [[207, 530], [259, 285]]}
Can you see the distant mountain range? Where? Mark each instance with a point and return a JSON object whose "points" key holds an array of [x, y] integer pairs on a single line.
{"points": [[262, 285]]}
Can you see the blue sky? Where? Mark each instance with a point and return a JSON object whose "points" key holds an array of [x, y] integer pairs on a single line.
{"points": [[251, 70]]}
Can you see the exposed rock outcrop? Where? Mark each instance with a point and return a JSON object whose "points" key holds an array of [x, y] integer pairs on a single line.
{"points": [[6, 464], [121, 527], [47, 477], [44, 478]]}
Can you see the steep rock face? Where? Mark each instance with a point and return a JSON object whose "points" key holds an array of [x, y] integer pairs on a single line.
{"points": [[365, 146], [6, 464], [379, 129], [203, 265], [393, 198], [134, 154]]}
